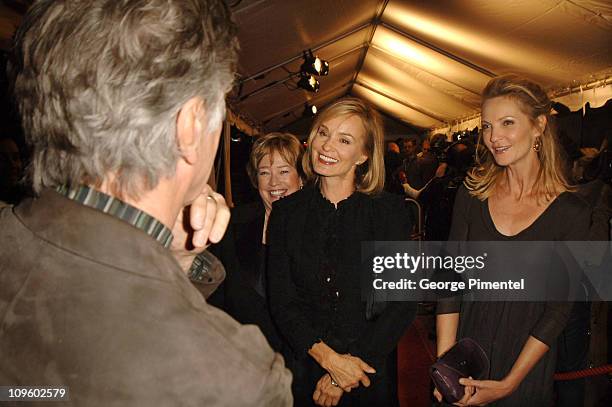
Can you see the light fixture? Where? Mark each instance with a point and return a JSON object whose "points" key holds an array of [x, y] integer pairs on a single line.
{"points": [[309, 110], [314, 65], [308, 82]]}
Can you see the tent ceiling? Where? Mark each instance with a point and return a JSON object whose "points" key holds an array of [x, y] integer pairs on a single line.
{"points": [[423, 62], [276, 30]]}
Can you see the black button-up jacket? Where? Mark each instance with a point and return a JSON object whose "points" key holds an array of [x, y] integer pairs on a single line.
{"points": [[314, 272]]}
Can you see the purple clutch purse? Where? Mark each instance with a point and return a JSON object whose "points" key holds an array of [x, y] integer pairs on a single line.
{"points": [[466, 358]]}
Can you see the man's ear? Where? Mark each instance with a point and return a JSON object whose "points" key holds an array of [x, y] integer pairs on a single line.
{"points": [[189, 128]]}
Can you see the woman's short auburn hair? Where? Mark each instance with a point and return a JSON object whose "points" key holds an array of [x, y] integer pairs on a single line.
{"points": [[286, 144], [370, 175]]}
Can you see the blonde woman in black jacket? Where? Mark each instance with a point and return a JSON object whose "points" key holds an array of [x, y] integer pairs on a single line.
{"points": [[340, 353]]}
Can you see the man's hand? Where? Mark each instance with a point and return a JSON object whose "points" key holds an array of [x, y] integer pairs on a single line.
{"points": [[326, 394], [198, 225]]}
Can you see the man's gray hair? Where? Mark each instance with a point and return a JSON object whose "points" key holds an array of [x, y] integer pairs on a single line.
{"points": [[100, 83]]}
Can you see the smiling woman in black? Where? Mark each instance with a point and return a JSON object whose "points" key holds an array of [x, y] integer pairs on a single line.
{"points": [[337, 346], [517, 192], [274, 169]]}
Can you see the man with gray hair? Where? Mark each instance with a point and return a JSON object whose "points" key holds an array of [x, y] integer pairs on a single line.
{"points": [[122, 102]]}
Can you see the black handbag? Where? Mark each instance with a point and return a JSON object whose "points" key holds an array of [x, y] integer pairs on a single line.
{"points": [[466, 358]]}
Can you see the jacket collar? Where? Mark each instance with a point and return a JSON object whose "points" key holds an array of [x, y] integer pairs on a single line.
{"points": [[88, 196], [97, 236]]}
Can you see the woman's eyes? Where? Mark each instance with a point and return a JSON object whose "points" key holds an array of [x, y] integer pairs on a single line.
{"points": [[507, 122], [267, 172], [324, 133]]}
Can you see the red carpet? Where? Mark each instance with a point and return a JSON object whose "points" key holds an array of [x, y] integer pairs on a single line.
{"points": [[415, 352]]}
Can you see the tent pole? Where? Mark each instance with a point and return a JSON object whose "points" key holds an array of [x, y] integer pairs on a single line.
{"points": [[401, 102], [438, 50], [364, 54]]}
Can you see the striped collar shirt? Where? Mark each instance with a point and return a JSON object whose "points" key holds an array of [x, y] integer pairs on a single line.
{"points": [[98, 200]]}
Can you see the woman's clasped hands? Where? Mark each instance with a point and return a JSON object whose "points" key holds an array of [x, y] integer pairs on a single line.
{"points": [[348, 371], [345, 372], [481, 392], [327, 393]]}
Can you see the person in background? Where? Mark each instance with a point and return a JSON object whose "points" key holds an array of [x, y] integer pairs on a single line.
{"points": [[438, 198], [122, 103], [574, 340], [425, 146], [274, 168], [419, 171], [410, 145], [393, 163], [517, 192], [425, 166], [342, 348]]}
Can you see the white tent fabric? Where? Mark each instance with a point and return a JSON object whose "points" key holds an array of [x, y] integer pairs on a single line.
{"points": [[423, 62], [596, 96], [576, 99]]}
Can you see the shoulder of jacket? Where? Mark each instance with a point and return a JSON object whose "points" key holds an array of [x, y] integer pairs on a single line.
{"points": [[294, 200]]}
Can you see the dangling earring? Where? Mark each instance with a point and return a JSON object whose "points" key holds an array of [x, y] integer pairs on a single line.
{"points": [[537, 144]]}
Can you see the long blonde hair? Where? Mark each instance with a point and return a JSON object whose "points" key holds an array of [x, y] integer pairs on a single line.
{"points": [[551, 179], [369, 176]]}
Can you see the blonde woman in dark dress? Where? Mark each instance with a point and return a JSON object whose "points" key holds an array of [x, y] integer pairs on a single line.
{"points": [[516, 193]]}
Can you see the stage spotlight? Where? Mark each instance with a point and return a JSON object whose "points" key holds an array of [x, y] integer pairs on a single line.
{"points": [[308, 82], [314, 65]]}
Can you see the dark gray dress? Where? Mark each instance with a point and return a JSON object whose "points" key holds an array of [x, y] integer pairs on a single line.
{"points": [[502, 328]]}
